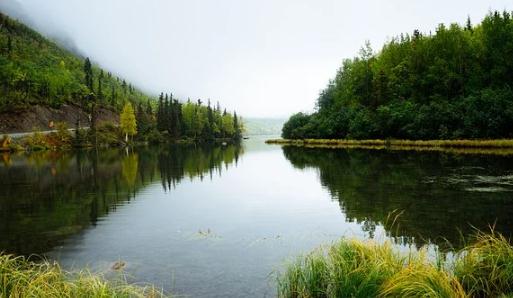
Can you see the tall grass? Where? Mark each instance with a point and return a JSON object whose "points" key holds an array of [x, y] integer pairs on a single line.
{"points": [[485, 268], [354, 268], [20, 277]]}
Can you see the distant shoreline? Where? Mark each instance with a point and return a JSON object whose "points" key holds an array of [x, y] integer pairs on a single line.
{"points": [[497, 146]]}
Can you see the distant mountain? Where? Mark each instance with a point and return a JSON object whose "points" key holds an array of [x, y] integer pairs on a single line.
{"points": [[263, 126]]}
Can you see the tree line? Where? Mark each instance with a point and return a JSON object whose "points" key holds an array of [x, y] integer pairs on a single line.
{"points": [[455, 83], [190, 120]]}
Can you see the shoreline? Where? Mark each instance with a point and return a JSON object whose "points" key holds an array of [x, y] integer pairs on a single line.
{"points": [[496, 146], [37, 141]]}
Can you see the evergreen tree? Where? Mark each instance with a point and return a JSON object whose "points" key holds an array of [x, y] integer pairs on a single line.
{"points": [[468, 25], [167, 114], [236, 128], [9, 44], [160, 113], [149, 109], [113, 96], [123, 85], [100, 91], [88, 71]]}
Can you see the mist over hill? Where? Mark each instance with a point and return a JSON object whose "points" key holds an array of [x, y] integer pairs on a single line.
{"points": [[263, 126]]}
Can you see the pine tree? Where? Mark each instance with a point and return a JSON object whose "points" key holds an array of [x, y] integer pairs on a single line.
{"points": [[100, 91], [123, 85], [210, 120], [468, 25], [167, 114], [160, 113], [149, 109], [236, 127], [9, 44], [112, 96], [88, 70], [177, 119]]}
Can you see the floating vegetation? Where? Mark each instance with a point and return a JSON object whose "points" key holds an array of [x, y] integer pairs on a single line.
{"points": [[119, 265], [208, 233]]}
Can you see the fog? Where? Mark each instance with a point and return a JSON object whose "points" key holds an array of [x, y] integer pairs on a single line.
{"points": [[262, 58]]}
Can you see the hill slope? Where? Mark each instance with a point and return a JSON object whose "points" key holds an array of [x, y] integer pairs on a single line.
{"points": [[34, 71]]}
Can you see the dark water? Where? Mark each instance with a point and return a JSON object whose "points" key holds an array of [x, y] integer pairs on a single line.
{"points": [[218, 221]]}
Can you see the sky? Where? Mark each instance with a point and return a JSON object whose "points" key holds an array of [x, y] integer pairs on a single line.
{"points": [[262, 58]]}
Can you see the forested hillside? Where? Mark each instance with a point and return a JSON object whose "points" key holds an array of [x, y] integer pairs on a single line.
{"points": [[34, 70], [41, 82], [453, 83]]}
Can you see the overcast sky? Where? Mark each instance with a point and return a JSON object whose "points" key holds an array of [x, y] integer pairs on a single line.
{"points": [[263, 58]]}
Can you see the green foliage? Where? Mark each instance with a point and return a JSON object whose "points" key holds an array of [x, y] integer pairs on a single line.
{"points": [[196, 121], [453, 84], [36, 141], [34, 70], [108, 135]]}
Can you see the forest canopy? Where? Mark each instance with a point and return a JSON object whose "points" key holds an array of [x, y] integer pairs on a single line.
{"points": [[453, 83]]}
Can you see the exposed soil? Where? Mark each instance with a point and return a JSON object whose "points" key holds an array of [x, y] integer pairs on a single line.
{"points": [[39, 117]]}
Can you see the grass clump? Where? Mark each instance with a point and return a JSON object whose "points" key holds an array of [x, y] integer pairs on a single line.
{"points": [[421, 278], [354, 268], [20, 277], [485, 268], [348, 267]]}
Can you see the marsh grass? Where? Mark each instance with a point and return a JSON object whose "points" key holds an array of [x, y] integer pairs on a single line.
{"points": [[356, 268], [497, 147], [20, 277]]}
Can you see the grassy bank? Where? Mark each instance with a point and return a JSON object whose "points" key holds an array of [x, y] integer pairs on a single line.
{"points": [[503, 146], [353, 268], [22, 278]]}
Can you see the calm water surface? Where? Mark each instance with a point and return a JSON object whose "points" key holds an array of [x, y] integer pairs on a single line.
{"points": [[218, 221]]}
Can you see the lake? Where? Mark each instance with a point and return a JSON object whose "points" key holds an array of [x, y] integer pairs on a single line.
{"points": [[218, 221]]}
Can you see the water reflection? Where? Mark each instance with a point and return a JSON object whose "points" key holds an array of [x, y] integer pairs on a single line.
{"points": [[437, 197], [45, 197]]}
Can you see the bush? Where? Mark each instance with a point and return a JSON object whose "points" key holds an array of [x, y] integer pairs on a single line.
{"points": [[36, 141], [108, 134], [295, 127]]}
